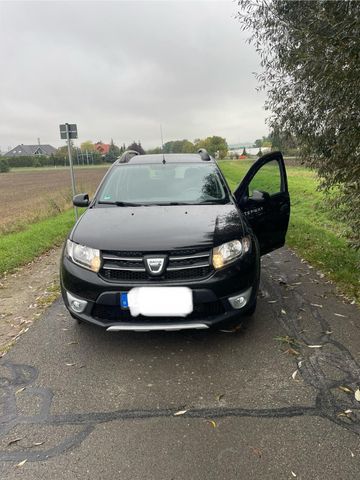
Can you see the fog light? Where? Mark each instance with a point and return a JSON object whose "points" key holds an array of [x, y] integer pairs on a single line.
{"points": [[240, 300], [76, 304]]}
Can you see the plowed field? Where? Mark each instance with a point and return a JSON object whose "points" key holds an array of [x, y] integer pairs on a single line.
{"points": [[29, 196]]}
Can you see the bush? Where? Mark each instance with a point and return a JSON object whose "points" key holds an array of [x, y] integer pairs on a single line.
{"points": [[36, 161], [4, 165]]}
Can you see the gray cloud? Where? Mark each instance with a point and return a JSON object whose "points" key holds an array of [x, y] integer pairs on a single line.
{"points": [[119, 69]]}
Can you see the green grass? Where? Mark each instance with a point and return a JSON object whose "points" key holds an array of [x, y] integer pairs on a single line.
{"points": [[21, 247], [314, 231]]}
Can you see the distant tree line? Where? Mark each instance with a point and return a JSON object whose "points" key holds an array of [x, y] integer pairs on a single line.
{"points": [[216, 146]]}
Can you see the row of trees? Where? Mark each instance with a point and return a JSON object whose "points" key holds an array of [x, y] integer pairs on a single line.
{"points": [[279, 140], [216, 146]]}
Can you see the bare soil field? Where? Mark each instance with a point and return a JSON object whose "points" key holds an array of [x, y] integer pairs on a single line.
{"points": [[29, 196]]}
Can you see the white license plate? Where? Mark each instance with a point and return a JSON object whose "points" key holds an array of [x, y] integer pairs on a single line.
{"points": [[160, 301]]}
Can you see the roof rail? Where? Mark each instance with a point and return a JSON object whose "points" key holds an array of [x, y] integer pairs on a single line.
{"points": [[204, 154], [127, 156]]}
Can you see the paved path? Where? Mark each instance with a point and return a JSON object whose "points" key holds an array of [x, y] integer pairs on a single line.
{"points": [[80, 403]]}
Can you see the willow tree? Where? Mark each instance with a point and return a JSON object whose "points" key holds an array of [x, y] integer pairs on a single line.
{"points": [[310, 61]]}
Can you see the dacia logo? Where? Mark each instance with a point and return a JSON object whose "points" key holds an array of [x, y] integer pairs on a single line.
{"points": [[155, 265]]}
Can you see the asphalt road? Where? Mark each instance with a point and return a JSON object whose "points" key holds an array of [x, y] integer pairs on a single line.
{"points": [[81, 403]]}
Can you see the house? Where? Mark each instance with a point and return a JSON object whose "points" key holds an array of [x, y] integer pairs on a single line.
{"points": [[31, 150], [102, 148]]}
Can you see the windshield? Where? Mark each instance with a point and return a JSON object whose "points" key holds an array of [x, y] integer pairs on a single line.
{"points": [[169, 183]]}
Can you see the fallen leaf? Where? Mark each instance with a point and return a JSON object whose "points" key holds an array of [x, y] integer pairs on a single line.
{"points": [[36, 444], [339, 315], [314, 346], [20, 390], [69, 364], [351, 453], [20, 464], [357, 394], [346, 413], [256, 451], [180, 412], [291, 351], [328, 332], [15, 441], [212, 423], [283, 311], [316, 305], [219, 397], [346, 389], [294, 374], [293, 474]]}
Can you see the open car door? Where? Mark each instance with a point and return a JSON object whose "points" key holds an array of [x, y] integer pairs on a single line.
{"points": [[263, 197]]}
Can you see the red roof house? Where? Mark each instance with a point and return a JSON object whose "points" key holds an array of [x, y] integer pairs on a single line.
{"points": [[102, 148]]}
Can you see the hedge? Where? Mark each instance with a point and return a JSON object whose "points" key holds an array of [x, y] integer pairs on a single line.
{"points": [[44, 161]]}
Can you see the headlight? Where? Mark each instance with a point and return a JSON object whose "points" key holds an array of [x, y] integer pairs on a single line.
{"points": [[230, 251], [84, 256]]}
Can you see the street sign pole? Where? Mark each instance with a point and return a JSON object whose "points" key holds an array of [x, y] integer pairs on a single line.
{"points": [[71, 168], [67, 132]]}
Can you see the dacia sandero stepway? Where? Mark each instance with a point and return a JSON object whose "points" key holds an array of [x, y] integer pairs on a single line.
{"points": [[165, 245]]}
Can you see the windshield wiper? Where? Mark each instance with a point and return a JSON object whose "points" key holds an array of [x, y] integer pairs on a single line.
{"points": [[122, 204]]}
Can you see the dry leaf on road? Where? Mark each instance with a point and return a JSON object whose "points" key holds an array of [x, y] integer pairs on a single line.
{"points": [[212, 423], [180, 412], [346, 389], [357, 394], [15, 441]]}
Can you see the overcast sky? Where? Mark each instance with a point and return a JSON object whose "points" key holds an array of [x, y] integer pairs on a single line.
{"points": [[119, 69]]}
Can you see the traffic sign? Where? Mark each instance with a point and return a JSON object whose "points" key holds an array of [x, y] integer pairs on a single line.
{"points": [[72, 129]]}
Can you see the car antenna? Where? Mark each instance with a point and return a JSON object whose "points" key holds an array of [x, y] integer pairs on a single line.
{"points": [[162, 144]]}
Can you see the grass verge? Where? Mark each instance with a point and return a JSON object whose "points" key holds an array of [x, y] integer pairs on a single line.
{"points": [[21, 247]]}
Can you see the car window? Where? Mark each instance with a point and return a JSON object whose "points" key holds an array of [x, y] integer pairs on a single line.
{"points": [[163, 183], [267, 179]]}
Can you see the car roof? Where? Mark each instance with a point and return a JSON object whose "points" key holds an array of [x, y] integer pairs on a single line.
{"points": [[169, 158]]}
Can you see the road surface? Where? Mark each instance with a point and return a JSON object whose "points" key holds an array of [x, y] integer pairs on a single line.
{"points": [[81, 403]]}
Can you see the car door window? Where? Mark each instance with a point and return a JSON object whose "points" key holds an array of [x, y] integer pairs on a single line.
{"points": [[267, 179]]}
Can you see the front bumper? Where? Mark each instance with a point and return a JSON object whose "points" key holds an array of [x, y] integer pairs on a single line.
{"points": [[210, 297]]}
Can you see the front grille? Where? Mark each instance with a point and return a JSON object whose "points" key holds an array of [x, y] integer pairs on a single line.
{"points": [[111, 314], [122, 266]]}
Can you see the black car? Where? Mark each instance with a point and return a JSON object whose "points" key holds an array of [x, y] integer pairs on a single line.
{"points": [[165, 245]]}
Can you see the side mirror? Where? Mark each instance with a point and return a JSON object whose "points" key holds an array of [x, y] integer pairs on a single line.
{"points": [[260, 195], [81, 200]]}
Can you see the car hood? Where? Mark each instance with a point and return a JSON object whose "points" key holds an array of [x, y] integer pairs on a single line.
{"points": [[158, 228]]}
